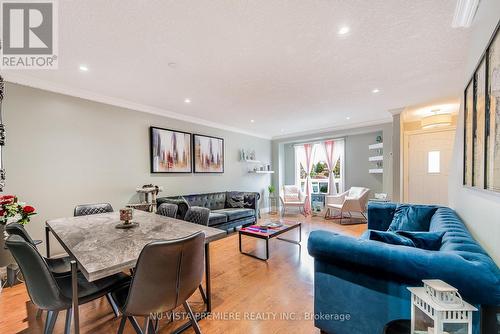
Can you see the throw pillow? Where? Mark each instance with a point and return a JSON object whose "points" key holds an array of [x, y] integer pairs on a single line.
{"points": [[391, 238], [424, 240], [412, 218]]}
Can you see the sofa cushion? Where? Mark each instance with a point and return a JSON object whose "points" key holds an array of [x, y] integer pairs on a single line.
{"points": [[239, 199], [391, 238], [213, 201], [216, 218], [236, 213], [424, 240], [412, 218]]}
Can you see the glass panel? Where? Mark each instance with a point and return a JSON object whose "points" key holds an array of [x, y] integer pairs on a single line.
{"points": [[434, 162], [493, 142], [452, 328], [468, 135], [422, 322], [479, 133]]}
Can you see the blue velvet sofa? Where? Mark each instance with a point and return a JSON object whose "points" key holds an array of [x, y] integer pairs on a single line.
{"points": [[360, 284]]}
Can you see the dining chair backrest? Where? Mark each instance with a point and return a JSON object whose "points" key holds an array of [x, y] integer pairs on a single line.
{"points": [[92, 209], [198, 215], [18, 229], [41, 284], [166, 275], [167, 210]]}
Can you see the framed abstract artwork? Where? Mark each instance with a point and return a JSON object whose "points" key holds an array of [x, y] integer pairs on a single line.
{"points": [[468, 134], [170, 151], [482, 121], [493, 139], [479, 127], [208, 154]]}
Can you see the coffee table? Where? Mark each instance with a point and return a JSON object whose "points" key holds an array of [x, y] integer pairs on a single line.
{"points": [[255, 231]]}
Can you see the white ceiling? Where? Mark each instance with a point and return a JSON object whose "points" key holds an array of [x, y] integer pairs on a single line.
{"points": [[280, 63]]}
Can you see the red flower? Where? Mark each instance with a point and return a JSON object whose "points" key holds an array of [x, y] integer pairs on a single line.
{"points": [[28, 209], [7, 199], [2, 212]]}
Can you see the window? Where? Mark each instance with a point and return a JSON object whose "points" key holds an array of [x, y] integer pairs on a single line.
{"points": [[319, 170], [434, 162]]}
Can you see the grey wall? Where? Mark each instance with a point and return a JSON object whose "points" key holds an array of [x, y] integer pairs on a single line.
{"points": [[479, 209], [357, 164], [357, 153], [62, 151]]}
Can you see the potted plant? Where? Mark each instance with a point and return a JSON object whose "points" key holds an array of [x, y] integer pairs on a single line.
{"points": [[271, 190], [12, 211]]}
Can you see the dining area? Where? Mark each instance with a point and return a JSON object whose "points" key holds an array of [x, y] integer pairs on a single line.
{"points": [[143, 264]]}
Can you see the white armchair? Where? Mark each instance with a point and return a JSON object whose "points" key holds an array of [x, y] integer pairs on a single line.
{"points": [[292, 196], [353, 200]]}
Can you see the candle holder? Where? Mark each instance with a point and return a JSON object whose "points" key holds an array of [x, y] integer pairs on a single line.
{"points": [[126, 216]]}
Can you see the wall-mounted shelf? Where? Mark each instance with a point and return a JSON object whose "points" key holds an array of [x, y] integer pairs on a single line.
{"points": [[252, 161], [376, 158], [376, 171], [377, 146], [261, 171]]}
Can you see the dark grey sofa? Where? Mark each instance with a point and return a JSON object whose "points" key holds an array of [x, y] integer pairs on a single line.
{"points": [[227, 209]]}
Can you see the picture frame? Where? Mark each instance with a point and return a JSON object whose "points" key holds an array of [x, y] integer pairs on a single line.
{"points": [[170, 151], [208, 154]]}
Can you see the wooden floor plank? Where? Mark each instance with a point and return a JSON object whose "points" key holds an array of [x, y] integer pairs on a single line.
{"points": [[249, 295]]}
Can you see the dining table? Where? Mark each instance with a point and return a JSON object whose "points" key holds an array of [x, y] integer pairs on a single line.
{"points": [[99, 249]]}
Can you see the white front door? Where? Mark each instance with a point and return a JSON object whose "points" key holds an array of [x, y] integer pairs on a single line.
{"points": [[429, 157]]}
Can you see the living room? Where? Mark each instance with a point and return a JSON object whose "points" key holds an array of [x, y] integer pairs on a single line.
{"points": [[250, 167]]}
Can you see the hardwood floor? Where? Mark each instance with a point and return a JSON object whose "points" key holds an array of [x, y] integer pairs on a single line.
{"points": [[249, 295]]}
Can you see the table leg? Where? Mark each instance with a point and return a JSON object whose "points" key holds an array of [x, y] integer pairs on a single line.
{"points": [[47, 240], [267, 249], [207, 277], [74, 288]]}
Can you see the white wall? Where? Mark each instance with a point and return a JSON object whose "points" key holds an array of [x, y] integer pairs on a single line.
{"points": [[479, 209], [62, 151]]}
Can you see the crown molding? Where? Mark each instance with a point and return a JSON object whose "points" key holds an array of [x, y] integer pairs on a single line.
{"points": [[29, 81], [396, 111]]}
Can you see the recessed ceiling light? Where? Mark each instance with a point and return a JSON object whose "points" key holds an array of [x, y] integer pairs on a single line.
{"points": [[187, 101], [252, 121], [172, 65], [348, 118], [84, 68], [343, 30], [375, 91]]}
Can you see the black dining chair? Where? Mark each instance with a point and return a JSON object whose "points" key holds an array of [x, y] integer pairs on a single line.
{"points": [[92, 209], [198, 215], [52, 293], [166, 275], [167, 210], [58, 266]]}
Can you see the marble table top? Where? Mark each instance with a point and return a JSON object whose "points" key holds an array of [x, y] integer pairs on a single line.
{"points": [[102, 250]]}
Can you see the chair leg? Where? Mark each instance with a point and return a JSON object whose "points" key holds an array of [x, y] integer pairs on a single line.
{"points": [[192, 318], [50, 322], [113, 305], [122, 324], [67, 323], [135, 324], [202, 292], [39, 313]]}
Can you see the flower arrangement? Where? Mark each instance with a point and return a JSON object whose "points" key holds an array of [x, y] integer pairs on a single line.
{"points": [[12, 211]]}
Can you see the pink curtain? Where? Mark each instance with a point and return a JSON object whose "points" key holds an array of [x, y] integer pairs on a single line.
{"points": [[308, 150], [332, 157]]}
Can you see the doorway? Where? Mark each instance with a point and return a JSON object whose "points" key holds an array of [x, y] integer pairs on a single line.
{"points": [[426, 166]]}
